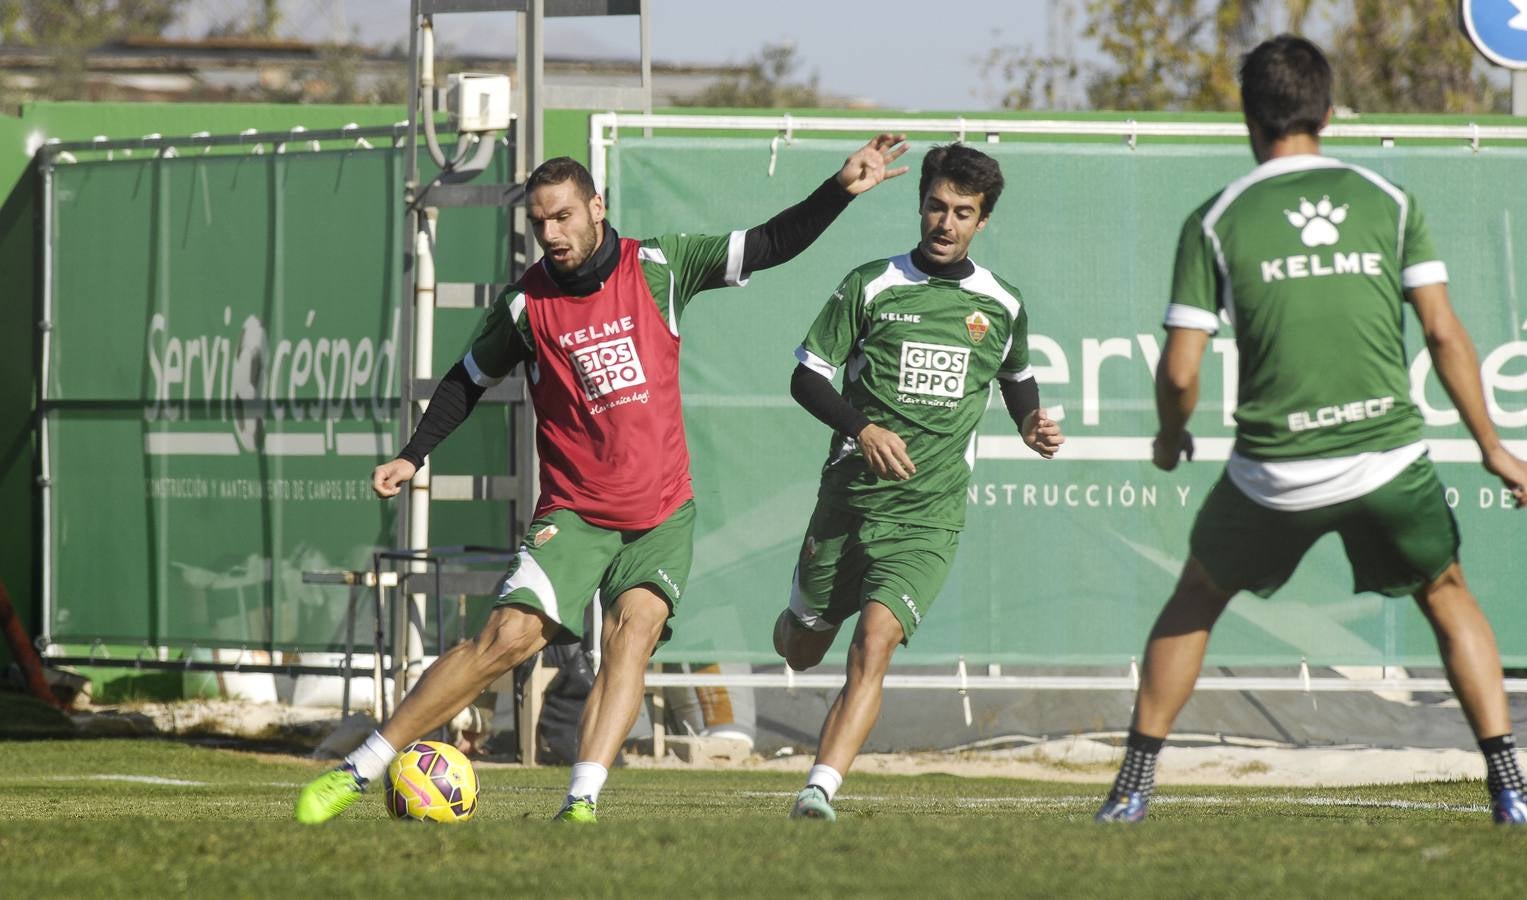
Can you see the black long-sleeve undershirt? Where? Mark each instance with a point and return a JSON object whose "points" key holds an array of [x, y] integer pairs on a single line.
{"points": [[1020, 398], [792, 230], [815, 393], [449, 406]]}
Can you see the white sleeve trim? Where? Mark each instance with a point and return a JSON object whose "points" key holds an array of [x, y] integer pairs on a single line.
{"points": [[478, 378], [1422, 274], [815, 363], [1023, 374], [735, 277], [1180, 315]]}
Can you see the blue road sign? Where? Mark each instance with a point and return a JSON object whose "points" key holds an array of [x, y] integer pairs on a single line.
{"points": [[1499, 29]]}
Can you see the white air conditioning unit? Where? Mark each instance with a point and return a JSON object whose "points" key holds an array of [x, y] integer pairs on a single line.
{"points": [[478, 101]]}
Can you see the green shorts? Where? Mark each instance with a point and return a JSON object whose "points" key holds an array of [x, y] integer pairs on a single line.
{"points": [[1398, 537], [565, 562], [847, 561]]}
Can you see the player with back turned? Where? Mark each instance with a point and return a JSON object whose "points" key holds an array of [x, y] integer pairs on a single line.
{"points": [[1314, 262]]}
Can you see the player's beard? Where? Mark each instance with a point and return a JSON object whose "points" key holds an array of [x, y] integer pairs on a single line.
{"points": [[581, 251]]}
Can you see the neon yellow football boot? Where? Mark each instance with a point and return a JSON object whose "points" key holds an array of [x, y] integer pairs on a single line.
{"points": [[328, 795], [579, 810]]}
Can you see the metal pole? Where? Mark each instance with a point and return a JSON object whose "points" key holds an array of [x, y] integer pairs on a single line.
{"points": [[44, 451], [422, 366], [1519, 92], [646, 40], [535, 82], [405, 344]]}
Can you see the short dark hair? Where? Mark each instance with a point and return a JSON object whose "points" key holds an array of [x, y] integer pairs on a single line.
{"points": [[970, 171], [1286, 87], [560, 169]]}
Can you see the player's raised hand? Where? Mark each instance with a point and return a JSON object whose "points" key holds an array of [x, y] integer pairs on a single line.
{"points": [[1166, 452], [870, 164], [886, 453], [1511, 471], [387, 479], [1042, 433]]}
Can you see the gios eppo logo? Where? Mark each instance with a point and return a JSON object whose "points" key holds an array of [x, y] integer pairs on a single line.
{"points": [[933, 369], [608, 367]]}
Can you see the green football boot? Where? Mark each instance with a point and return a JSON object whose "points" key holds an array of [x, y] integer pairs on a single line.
{"points": [[579, 810], [811, 803], [328, 795]]}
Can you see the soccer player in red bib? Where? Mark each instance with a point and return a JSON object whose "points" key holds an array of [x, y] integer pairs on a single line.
{"points": [[596, 324]]}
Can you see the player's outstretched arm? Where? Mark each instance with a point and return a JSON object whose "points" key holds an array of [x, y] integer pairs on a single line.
{"points": [[1177, 395], [785, 236], [1457, 365]]}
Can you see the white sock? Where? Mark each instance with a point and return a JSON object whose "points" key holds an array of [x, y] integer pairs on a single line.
{"points": [[826, 778], [588, 778], [370, 760]]}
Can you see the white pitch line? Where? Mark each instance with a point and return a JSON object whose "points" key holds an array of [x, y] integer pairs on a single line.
{"points": [[1167, 800], [147, 779], [158, 779]]}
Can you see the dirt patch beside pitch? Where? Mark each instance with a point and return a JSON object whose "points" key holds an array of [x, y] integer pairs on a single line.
{"points": [[1084, 760]]}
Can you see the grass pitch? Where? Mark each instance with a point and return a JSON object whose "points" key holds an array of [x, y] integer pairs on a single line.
{"points": [[112, 818]]}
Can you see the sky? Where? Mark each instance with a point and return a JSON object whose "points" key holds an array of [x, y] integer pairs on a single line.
{"points": [[899, 54]]}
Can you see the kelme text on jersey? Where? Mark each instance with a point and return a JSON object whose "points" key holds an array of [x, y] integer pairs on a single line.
{"points": [[1314, 265]]}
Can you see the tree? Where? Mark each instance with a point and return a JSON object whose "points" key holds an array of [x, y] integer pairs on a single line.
{"points": [[765, 82], [1409, 56], [71, 27], [1389, 55], [83, 23]]}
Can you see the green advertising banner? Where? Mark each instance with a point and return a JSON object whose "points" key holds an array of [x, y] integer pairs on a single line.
{"points": [[221, 375], [1064, 561]]}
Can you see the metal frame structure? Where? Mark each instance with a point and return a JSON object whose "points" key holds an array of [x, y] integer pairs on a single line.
{"points": [[49, 156], [605, 131]]}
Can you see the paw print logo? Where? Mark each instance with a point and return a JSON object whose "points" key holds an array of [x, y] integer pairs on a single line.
{"points": [[1317, 221]]}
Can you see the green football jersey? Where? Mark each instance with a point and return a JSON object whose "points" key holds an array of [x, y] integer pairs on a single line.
{"points": [[1309, 258], [676, 268], [918, 354]]}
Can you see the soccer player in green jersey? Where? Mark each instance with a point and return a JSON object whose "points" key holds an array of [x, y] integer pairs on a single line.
{"points": [[920, 338], [1313, 261]]}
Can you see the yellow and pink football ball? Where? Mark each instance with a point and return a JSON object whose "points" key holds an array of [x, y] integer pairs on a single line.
{"points": [[431, 782]]}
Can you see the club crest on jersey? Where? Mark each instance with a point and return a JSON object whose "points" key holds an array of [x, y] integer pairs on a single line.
{"points": [[976, 325], [1317, 221], [544, 535]]}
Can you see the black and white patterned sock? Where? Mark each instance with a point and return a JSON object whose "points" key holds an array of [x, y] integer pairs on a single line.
{"points": [[1137, 774], [1502, 770]]}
